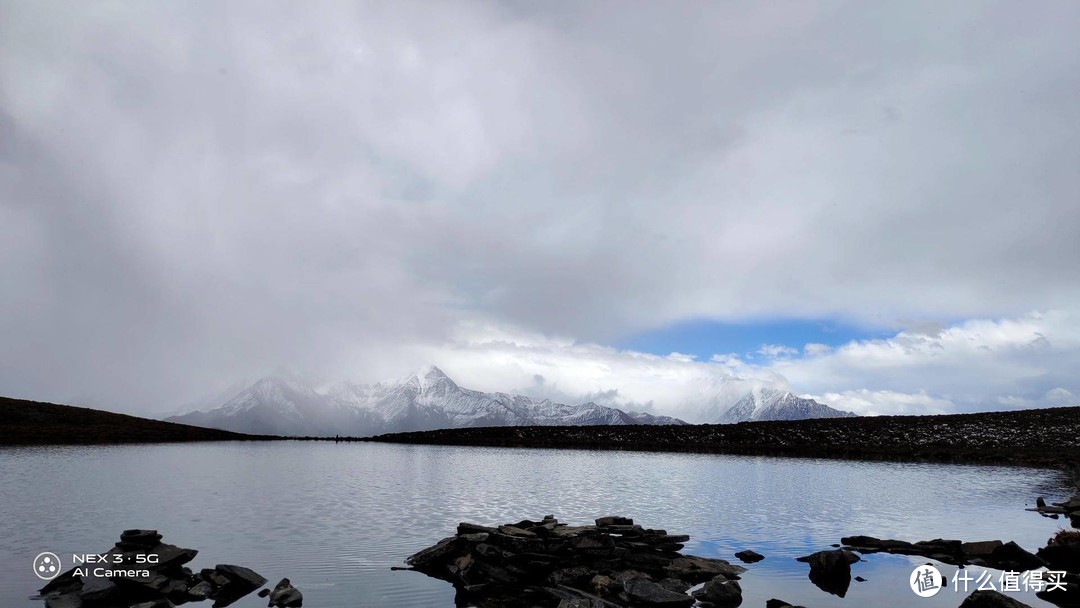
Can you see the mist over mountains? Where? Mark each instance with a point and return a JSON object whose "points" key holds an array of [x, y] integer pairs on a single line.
{"points": [[287, 403]]}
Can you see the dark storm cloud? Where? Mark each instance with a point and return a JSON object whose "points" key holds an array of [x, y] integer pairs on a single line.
{"points": [[192, 192]]}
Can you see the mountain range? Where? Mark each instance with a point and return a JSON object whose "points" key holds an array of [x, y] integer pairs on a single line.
{"points": [[286, 403]]}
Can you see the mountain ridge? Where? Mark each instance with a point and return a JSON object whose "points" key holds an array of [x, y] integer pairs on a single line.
{"points": [[428, 399]]}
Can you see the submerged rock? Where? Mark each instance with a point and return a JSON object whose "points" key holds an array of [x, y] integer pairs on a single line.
{"points": [[990, 553], [285, 595], [831, 570], [612, 564], [749, 556], [720, 591]]}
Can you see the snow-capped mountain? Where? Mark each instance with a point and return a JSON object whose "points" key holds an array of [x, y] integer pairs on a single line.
{"points": [[288, 404], [282, 404], [763, 403]]}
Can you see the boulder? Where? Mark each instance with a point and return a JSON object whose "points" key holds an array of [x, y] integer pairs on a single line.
{"points": [[95, 589], [1011, 556], [650, 593], [285, 595], [200, 591], [240, 581], [749, 556], [241, 576], [467, 528], [140, 538], [980, 550], [831, 570], [720, 591], [1070, 596], [991, 599], [1061, 557]]}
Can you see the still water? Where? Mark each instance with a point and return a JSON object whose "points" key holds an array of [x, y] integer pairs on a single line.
{"points": [[335, 517]]}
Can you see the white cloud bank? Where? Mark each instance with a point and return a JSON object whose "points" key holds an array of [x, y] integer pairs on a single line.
{"points": [[194, 191], [1029, 361]]}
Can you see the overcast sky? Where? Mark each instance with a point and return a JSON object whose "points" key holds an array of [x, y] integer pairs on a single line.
{"points": [[551, 197]]}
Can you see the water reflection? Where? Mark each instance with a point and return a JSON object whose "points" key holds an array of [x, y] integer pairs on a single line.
{"points": [[335, 517]]}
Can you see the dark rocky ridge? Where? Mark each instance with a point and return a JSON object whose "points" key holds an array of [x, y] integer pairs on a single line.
{"points": [[1040, 437], [35, 423]]}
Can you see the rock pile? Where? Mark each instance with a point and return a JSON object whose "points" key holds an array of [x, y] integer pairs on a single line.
{"points": [[989, 554], [140, 571], [1069, 508], [1062, 554], [615, 563]]}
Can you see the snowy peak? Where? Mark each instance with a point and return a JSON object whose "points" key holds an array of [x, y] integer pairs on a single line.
{"points": [[288, 404], [764, 403], [429, 379]]}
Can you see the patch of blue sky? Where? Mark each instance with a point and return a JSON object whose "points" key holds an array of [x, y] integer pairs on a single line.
{"points": [[704, 338]]}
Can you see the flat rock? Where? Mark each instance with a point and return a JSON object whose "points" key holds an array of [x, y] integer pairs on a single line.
{"points": [[240, 574], [650, 593], [136, 539], [435, 553], [699, 569]]}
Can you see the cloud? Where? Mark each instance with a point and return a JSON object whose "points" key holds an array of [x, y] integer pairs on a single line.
{"points": [[776, 351], [489, 358], [974, 365], [1060, 396], [865, 402], [970, 365], [190, 193]]}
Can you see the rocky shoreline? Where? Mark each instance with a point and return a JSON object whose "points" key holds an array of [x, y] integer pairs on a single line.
{"points": [[615, 563], [1046, 438], [140, 571]]}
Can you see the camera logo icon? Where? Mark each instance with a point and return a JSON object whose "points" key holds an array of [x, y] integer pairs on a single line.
{"points": [[47, 565]]}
